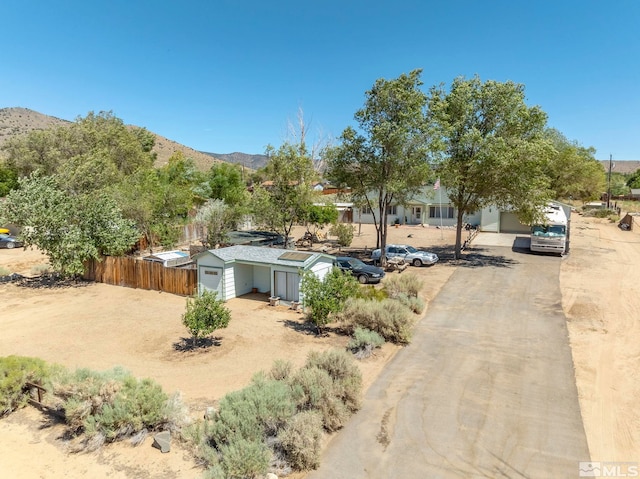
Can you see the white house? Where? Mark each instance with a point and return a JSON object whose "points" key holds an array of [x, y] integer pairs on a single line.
{"points": [[432, 207], [240, 269]]}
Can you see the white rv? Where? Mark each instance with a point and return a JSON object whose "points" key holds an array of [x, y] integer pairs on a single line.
{"points": [[551, 235]]}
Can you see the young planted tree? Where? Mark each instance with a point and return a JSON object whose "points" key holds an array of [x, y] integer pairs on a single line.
{"points": [[493, 148], [327, 296], [205, 314], [386, 164], [319, 216]]}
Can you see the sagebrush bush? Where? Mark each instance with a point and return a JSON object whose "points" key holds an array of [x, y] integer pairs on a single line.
{"points": [[254, 412], [314, 391], [408, 284], [110, 405], [364, 341], [389, 318], [414, 303], [243, 458], [15, 372], [281, 370], [41, 269], [345, 374], [372, 293], [4, 271], [301, 440]]}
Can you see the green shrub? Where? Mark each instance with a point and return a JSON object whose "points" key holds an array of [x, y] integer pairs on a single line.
{"points": [[364, 341], [301, 440], [4, 271], [344, 232], [15, 372], [243, 458], [408, 284], [389, 318], [327, 296]]}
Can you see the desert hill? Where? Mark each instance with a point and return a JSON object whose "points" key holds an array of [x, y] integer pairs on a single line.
{"points": [[20, 121], [253, 162]]}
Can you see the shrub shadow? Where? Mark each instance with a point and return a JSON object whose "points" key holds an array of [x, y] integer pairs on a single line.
{"points": [[186, 344], [476, 257]]}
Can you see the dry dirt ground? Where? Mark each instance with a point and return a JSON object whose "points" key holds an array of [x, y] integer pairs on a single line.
{"points": [[100, 326]]}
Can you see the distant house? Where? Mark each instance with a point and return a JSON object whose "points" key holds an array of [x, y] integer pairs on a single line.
{"points": [[432, 207], [635, 193], [238, 270]]}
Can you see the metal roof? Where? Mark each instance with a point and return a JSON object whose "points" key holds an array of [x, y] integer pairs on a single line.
{"points": [[264, 255]]}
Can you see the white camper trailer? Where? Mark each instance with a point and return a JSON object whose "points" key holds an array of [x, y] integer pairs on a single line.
{"points": [[550, 235]]}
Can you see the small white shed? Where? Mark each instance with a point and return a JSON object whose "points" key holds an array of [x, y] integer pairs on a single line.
{"points": [[240, 269]]}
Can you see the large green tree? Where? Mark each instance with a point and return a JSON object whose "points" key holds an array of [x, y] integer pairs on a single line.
{"points": [[573, 171], [101, 139], [69, 229], [493, 148], [385, 161], [284, 199]]}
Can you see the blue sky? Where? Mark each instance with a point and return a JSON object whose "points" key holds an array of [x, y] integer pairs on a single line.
{"points": [[224, 75]]}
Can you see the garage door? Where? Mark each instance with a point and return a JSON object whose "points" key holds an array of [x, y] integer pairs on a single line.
{"points": [[509, 223], [287, 285], [211, 279]]}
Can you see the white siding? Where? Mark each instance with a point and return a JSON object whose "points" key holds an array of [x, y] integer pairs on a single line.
{"points": [[229, 283], [262, 278], [243, 278]]}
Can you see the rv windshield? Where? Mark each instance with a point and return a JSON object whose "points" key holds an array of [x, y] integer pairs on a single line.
{"points": [[549, 230]]}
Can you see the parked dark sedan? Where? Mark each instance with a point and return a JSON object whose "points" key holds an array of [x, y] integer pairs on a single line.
{"points": [[364, 272], [8, 241]]}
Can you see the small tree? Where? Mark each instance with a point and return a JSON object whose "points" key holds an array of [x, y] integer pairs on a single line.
{"points": [[328, 295], [204, 315], [344, 232]]}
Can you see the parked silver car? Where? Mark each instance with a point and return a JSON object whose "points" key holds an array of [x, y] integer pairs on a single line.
{"points": [[408, 253]]}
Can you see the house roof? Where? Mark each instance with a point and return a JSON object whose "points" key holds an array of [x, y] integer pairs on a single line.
{"points": [[263, 255]]}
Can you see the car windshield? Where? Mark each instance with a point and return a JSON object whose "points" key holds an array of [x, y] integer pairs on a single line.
{"points": [[548, 230], [356, 263], [4, 236], [411, 249]]}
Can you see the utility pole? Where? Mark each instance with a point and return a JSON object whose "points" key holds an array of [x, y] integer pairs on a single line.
{"points": [[609, 182]]}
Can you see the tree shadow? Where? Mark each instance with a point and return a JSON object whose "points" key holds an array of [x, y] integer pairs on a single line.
{"points": [[186, 344], [310, 329], [50, 281], [477, 257]]}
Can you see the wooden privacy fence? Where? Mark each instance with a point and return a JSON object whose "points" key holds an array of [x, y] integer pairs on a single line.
{"points": [[132, 273]]}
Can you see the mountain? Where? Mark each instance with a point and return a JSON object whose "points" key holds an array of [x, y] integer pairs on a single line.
{"points": [[20, 121], [253, 162], [620, 166]]}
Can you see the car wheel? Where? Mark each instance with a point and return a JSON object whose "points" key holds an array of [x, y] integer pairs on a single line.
{"points": [[363, 279], [417, 262], [10, 245]]}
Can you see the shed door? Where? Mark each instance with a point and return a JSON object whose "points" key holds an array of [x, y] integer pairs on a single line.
{"points": [[211, 279], [287, 285]]}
